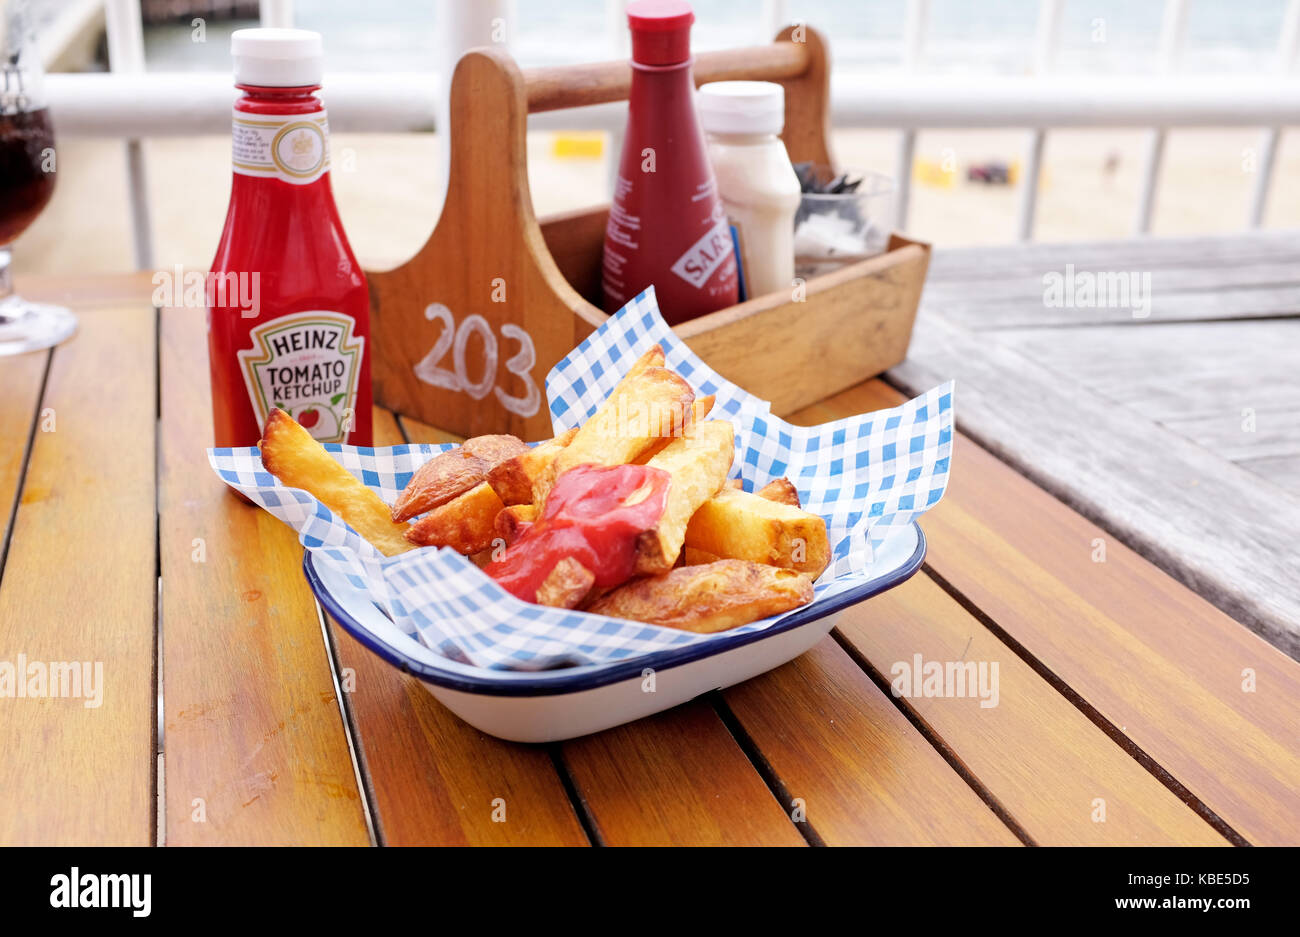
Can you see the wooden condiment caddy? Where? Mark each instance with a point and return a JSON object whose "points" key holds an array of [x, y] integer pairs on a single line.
{"points": [[466, 331]]}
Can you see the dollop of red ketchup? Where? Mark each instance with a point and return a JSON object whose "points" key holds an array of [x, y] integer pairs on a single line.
{"points": [[593, 514]]}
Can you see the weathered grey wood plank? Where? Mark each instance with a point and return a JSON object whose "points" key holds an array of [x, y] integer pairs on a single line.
{"points": [[1283, 471], [1233, 387], [1224, 532], [1199, 278], [968, 305], [989, 263], [1276, 433]]}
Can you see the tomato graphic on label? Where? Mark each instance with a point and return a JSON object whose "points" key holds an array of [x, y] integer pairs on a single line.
{"points": [[319, 419]]}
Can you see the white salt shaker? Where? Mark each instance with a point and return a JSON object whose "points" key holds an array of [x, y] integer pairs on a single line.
{"points": [[760, 193]]}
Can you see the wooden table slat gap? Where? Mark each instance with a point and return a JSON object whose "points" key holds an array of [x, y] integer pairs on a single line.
{"points": [[365, 784], [1052, 795], [581, 810], [158, 775], [96, 781], [24, 461], [864, 774], [1125, 648], [764, 768], [936, 741], [1043, 759], [586, 819], [410, 426], [253, 726], [431, 778], [1241, 798], [368, 809], [661, 781], [1135, 751]]}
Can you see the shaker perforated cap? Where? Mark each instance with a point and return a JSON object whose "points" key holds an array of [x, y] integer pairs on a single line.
{"points": [[277, 58], [741, 107]]}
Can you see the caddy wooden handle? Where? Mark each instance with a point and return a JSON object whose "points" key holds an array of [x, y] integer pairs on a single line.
{"points": [[799, 59], [560, 88], [465, 332]]}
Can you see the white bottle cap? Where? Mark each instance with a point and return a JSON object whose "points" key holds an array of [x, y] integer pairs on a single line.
{"points": [[741, 107], [277, 58]]}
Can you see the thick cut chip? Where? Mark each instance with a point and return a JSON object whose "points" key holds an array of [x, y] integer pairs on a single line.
{"points": [[566, 585], [652, 357], [445, 476], [644, 407], [451, 473], [708, 598], [691, 556], [512, 520], [699, 410], [741, 525], [291, 454], [513, 479], [650, 405], [782, 490], [495, 448], [465, 524], [698, 465]]}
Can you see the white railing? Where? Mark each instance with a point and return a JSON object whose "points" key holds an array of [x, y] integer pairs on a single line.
{"points": [[1173, 30], [160, 104], [1288, 48], [1048, 34], [131, 105], [126, 57]]}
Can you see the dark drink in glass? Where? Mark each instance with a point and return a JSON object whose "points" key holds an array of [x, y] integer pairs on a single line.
{"points": [[27, 170], [26, 154]]}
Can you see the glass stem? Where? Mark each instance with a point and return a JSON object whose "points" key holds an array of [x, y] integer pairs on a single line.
{"points": [[10, 306], [6, 279]]}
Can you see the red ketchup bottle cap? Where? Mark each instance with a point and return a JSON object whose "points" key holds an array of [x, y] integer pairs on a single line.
{"points": [[661, 31]]}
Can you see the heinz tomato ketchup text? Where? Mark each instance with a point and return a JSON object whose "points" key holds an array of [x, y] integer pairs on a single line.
{"points": [[306, 348], [666, 224]]}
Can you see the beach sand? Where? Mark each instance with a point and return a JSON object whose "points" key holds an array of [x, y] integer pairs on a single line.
{"points": [[387, 192]]}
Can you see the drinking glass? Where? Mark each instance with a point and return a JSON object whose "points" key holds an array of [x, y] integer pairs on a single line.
{"points": [[27, 165], [847, 219]]}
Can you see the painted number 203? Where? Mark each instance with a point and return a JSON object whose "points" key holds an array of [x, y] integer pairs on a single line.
{"points": [[456, 340]]}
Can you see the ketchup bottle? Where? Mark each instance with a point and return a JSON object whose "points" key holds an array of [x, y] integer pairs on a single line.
{"points": [[288, 306], [666, 224]]}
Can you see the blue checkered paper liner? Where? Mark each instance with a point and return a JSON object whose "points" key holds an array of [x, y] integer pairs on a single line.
{"points": [[578, 385], [867, 475]]}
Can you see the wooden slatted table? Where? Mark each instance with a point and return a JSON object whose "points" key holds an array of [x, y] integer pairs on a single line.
{"points": [[1130, 711], [1152, 385]]}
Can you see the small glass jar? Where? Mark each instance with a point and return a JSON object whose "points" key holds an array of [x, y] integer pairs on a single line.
{"points": [[833, 229]]}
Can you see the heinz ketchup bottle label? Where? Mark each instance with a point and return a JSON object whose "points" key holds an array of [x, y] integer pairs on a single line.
{"points": [[306, 348], [281, 145], [307, 364]]}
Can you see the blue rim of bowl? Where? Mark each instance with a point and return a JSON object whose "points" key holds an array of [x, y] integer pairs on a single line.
{"points": [[552, 682]]}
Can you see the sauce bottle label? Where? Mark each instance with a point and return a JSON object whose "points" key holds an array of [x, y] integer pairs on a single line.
{"points": [[737, 245], [706, 255], [292, 147], [307, 364]]}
